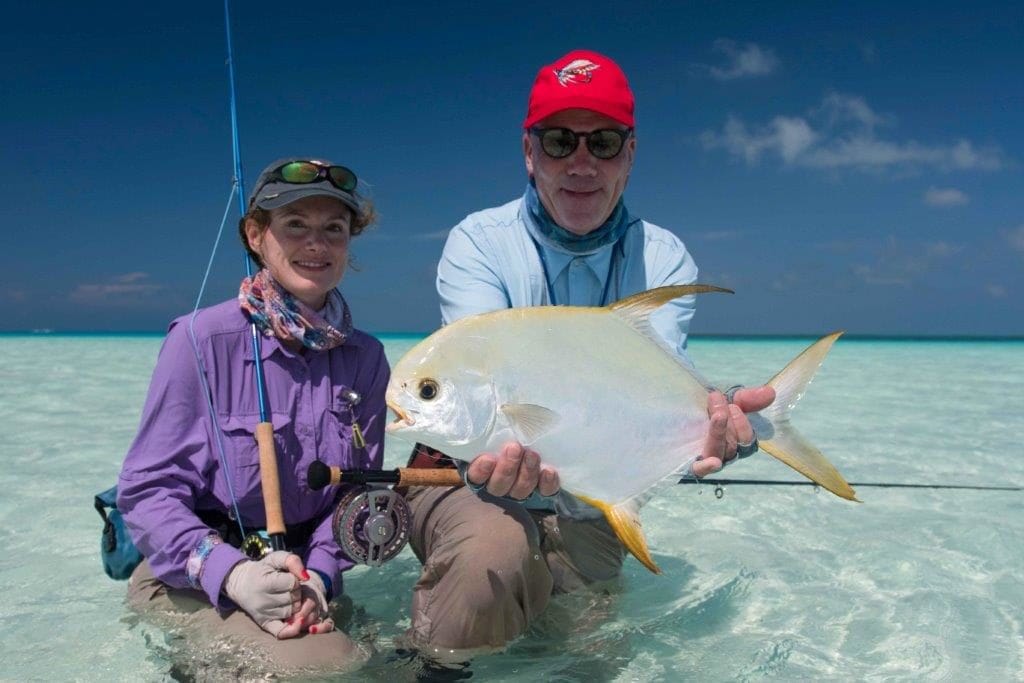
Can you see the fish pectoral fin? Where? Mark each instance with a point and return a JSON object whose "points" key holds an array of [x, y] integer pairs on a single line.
{"points": [[624, 519], [529, 421]]}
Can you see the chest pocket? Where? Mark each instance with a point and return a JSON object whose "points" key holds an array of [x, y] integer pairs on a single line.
{"points": [[347, 429], [242, 451]]}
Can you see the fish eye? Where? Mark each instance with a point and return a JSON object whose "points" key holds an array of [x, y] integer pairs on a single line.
{"points": [[429, 390]]}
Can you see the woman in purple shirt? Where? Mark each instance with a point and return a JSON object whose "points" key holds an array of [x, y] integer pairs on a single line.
{"points": [[190, 485]]}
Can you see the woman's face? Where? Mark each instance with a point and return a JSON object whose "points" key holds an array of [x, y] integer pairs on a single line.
{"points": [[305, 246]]}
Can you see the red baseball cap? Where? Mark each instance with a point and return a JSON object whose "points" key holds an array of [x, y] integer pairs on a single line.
{"points": [[581, 80]]}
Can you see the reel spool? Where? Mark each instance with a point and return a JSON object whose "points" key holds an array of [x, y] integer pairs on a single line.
{"points": [[372, 525]]}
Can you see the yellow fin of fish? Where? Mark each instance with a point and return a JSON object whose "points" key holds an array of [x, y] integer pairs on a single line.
{"points": [[637, 308], [624, 519], [636, 311], [786, 443], [529, 421]]}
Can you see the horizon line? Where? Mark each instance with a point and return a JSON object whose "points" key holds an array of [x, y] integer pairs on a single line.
{"points": [[46, 332]]}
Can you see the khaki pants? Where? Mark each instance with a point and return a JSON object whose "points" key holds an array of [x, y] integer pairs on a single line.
{"points": [[490, 566], [241, 646]]}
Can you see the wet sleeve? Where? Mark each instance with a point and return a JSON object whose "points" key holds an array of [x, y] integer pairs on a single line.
{"points": [[467, 278], [324, 554], [167, 468], [669, 263]]}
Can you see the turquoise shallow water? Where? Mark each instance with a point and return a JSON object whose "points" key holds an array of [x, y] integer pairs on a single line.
{"points": [[780, 583]]}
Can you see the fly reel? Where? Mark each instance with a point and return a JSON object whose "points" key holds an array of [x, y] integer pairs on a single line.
{"points": [[372, 524]]}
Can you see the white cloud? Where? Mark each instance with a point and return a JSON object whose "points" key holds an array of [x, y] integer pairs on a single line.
{"points": [[837, 109], [899, 264], [786, 281], [129, 288], [841, 133], [719, 235], [1015, 238], [432, 236], [787, 137], [742, 60], [949, 196], [995, 291]]}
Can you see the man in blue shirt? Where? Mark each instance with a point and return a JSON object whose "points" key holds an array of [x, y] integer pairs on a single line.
{"points": [[495, 551]]}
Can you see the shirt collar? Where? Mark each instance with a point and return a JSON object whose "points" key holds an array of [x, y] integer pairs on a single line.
{"points": [[558, 260], [271, 345]]}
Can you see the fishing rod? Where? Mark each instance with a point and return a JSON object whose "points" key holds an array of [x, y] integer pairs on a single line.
{"points": [[720, 485], [265, 429], [372, 522], [320, 475]]}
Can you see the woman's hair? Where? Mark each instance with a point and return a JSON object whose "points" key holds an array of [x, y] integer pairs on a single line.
{"points": [[360, 221]]}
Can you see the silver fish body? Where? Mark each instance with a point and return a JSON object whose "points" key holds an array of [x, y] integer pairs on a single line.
{"points": [[592, 390]]}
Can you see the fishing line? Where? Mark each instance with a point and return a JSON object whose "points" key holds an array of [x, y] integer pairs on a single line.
{"points": [[720, 485], [207, 392]]}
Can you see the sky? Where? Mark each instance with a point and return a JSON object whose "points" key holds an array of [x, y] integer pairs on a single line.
{"points": [[851, 166]]}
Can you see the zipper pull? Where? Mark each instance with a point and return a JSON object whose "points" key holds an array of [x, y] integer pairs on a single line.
{"points": [[353, 399], [357, 435]]}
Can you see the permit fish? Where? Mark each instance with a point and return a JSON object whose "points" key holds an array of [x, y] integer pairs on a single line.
{"points": [[596, 392]]}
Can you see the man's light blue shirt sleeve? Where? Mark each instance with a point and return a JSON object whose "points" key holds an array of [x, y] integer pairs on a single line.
{"points": [[669, 263], [467, 282]]}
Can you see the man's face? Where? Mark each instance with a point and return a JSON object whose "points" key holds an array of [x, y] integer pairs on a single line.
{"points": [[580, 190]]}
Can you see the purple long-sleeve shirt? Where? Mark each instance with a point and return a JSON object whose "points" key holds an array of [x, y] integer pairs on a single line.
{"points": [[173, 467]]}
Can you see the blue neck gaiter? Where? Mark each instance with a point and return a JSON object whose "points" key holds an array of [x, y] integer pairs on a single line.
{"points": [[545, 231]]}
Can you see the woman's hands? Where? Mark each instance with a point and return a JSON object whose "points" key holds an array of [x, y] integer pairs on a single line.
{"points": [[280, 595]]}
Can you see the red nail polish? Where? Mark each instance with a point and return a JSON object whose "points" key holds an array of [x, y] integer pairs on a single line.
{"points": [[289, 620], [305, 575], [312, 629]]}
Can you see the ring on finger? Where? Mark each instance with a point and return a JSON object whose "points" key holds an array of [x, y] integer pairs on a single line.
{"points": [[745, 450], [730, 393]]}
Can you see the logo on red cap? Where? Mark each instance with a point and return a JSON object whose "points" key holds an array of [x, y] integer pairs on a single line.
{"points": [[581, 79], [576, 72]]}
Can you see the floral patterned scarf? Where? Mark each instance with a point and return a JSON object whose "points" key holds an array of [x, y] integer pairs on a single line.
{"points": [[277, 313]]}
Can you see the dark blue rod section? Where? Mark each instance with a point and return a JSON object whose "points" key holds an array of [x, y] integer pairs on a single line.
{"points": [[240, 184]]}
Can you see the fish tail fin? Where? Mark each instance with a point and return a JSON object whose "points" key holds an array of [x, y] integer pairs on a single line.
{"points": [[782, 440], [624, 518]]}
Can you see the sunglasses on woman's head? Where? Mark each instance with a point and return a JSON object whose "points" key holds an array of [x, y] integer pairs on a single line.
{"points": [[305, 172], [559, 143]]}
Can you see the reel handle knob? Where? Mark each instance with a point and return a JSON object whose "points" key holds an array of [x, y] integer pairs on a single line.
{"points": [[319, 475]]}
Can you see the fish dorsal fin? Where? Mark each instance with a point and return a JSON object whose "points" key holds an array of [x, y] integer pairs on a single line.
{"points": [[529, 421], [636, 310]]}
